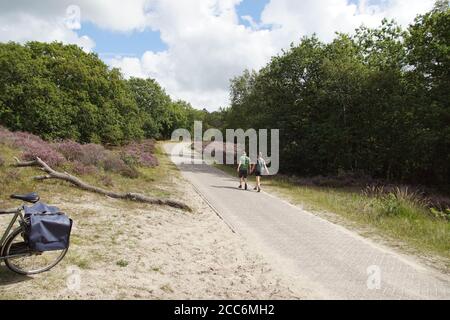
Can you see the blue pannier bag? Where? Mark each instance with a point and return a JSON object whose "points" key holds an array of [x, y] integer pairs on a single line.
{"points": [[49, 228]]}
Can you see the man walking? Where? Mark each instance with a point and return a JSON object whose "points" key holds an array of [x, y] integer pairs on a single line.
{"points": [[243, 168]]}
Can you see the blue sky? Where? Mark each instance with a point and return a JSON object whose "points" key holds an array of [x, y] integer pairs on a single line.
{"points": [[252, 8], [134, 43]]}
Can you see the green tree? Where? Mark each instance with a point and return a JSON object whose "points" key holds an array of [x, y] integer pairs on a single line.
{"points": [[58, 91], [154, 105]]}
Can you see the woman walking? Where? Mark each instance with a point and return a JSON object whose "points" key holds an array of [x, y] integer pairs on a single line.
{"points": [[258, 168]]}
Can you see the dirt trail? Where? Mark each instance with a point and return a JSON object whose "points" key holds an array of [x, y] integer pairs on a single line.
{"points": [[132, 251]]}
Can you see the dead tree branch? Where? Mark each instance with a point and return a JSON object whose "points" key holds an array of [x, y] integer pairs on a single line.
{"points": [[64, 176]]}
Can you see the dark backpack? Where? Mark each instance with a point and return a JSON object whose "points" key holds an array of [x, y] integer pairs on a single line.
{"points": [[49, 228]]}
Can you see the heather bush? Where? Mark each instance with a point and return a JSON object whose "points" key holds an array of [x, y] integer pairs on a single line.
{"points": [[34, 146], [83, 159], [114, 163], [88, 154], [82, 169], [93, 154], [71, 150], [2, 162], [129, 160], [140, 153]]}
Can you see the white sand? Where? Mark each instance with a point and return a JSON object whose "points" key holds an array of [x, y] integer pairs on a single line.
{"points": [[151, 252]]}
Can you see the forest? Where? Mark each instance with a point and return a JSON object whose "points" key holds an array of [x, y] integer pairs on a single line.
{"points": [[59, 92], [374, 103]]}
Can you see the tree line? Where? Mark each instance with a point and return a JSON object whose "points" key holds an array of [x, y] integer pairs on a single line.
{"points": [[59, 92], [376, 102]]}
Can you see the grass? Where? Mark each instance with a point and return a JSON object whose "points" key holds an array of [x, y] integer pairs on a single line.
{"points": [[122, 263], [398, 215]]}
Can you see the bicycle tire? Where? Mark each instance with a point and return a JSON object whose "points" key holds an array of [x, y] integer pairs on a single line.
{"points": [[10, 261]]}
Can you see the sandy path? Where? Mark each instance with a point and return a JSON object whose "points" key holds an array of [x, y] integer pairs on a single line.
{"points": [[128, 251], [336, 262]]}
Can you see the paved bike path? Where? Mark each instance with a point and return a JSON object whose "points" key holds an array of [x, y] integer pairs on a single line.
{"points": [[334, 262]]}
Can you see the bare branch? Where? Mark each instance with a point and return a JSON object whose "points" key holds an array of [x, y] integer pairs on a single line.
{"points": [[20, 163], [52, 174]]}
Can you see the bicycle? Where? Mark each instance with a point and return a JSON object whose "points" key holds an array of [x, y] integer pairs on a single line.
{"points": [[14, 248]]}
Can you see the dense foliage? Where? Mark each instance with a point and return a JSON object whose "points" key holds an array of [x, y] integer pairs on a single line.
{"points": [[60, 92], [377, 102]]}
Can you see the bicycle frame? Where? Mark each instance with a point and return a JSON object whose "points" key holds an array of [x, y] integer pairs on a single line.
{"points": [[18, 215]]}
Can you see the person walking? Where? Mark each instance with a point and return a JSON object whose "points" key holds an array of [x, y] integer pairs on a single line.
{"points": [[243, 169], [258, 168]]}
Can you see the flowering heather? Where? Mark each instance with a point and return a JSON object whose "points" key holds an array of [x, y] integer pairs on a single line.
{"points": [[85, 159], [82, 169], [34, 146], [88, 154], [71, 150], [142, 153]]}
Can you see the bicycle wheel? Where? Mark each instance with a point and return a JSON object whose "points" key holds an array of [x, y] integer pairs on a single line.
{"points": [[28, 262]]}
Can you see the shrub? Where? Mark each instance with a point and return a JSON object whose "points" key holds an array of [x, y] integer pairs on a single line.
{"points": [[82, 169], [2, 162], [114, 163], [83, 159], [395, 201], [71, 150], [93, 154], [140, 153], [34, 147], [130, 172], [88, 154]]}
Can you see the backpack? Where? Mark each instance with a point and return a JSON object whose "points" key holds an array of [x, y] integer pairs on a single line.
{"points": [[259, 166]]}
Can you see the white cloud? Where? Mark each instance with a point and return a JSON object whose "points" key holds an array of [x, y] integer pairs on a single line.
{"points": [[22, 27], [206, 44], [206, 47], [46, 20]]}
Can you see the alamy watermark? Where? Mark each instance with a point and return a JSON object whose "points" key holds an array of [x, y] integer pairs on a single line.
{"points": [[73, 280], [225, 151], [72, 19], [374, 278]]}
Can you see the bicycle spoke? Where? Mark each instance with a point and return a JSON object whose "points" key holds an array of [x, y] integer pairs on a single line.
{"points": [[35, 262]]}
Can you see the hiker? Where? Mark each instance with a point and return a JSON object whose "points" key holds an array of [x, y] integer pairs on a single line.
{"points": [[258, 168], [243, 168]]}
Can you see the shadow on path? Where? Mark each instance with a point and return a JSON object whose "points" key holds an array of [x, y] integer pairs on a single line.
{"points": [[8, 277]]}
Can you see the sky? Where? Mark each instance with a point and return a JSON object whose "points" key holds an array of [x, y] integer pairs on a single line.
{"points": [[193, 47]]}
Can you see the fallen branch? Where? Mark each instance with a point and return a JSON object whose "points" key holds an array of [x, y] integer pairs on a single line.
{"points": [[52, 174]]}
